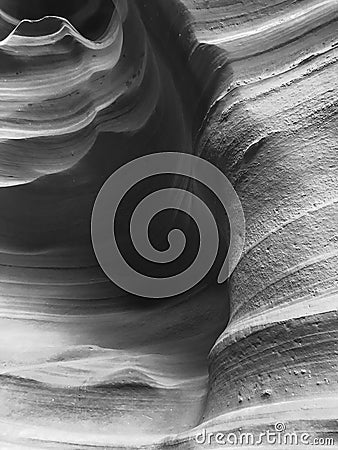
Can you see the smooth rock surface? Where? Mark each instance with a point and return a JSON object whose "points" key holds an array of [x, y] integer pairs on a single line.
{"points": [[86, 87]]}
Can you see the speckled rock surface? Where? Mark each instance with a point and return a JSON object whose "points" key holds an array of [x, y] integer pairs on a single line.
{"points": [[88, 86]]}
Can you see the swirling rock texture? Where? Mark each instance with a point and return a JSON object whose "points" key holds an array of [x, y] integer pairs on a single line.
{"points": [[86, 86]]}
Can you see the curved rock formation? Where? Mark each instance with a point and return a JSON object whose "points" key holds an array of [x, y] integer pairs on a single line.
{"points": [[86, 87]]}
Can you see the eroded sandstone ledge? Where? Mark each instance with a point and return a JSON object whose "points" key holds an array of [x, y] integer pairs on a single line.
{"points": [[251, 87]]}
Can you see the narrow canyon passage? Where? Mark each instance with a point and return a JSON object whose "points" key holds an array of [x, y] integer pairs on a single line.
{"points": [[251, 88], [77, 353]]}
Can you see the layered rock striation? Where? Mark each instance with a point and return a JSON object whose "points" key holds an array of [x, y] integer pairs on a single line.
{"points": [[86, 87]]}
